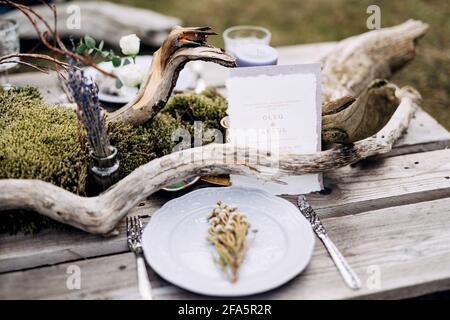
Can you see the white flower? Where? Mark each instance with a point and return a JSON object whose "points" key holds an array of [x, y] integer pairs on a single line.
{"points": [[130, 45], [131, 75]]}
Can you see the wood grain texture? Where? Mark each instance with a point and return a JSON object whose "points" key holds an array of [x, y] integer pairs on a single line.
{"points": [[423, 134], [408, 245], [110, 277], [52, 246], [377, 54], [376, 184]]}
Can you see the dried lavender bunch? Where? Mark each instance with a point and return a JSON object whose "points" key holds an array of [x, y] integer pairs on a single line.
{"points": [[227, 232], [84, 92]]}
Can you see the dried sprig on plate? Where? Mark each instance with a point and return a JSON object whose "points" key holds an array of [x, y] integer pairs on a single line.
{"points": [[228, 233]]}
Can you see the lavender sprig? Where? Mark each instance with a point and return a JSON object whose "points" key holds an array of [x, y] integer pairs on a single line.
{"points": [[84, 92]]}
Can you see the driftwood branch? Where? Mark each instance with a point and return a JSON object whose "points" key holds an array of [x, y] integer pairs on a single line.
{"points": [[181, 46], [100, 214], [356, 61], [351, 112], [365, 58]]}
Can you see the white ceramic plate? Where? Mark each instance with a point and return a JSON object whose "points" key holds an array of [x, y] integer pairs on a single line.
{"points": [[175, 244], [186, 80]]}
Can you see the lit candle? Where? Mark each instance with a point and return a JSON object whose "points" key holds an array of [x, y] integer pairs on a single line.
{"points": [[255, 54]]}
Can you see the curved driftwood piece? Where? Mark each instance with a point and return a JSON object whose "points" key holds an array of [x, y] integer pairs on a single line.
{"points": [[356, 61], [100, 214], [361, 117], [181, 46], [351, 112], [349, 94]]}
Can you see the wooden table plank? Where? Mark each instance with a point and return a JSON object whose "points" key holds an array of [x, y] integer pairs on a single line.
{"points": [[364, 187], [51, 246], [110, 277], [424, 134], [408, 246], [382, 183]]}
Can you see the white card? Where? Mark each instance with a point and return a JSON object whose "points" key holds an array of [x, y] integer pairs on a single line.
{"points": [[284, 101]]}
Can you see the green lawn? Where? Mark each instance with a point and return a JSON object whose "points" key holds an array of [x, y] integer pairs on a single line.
{"points": [[295, 22]]}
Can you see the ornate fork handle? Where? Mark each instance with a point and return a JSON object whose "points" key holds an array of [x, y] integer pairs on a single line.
{"points": [[347, 273], [134, 240], [145, 288]]}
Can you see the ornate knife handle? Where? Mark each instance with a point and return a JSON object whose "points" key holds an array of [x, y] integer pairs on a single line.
{"points": [[347, 273]]}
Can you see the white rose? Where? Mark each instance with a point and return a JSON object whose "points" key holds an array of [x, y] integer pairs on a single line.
{"points": [[130, 45], [131, 75]]}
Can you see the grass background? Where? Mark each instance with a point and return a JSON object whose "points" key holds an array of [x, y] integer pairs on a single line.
{"points": [[305, 21]]}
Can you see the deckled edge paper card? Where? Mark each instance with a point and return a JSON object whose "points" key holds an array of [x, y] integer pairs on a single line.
{"points": [[285, 103]]}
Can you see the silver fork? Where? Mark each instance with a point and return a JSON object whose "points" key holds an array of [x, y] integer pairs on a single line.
{"points": [[134, 240], [347, 273]]}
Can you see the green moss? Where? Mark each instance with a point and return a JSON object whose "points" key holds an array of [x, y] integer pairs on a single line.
{"points": [[38, 141], [209, 107], [41, 141]]}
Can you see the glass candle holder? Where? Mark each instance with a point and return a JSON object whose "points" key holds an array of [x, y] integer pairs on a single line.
{"points": [[237, 36], [9, 44]]}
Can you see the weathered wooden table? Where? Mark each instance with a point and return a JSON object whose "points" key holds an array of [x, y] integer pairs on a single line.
{"points": [[389, 216]]}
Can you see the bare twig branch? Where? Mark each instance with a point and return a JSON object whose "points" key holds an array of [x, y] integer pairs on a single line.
{"points": [[43, 35], [38, 56], [37, 68]]}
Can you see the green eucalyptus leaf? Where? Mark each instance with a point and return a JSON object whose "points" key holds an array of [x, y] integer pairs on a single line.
{"points": [[89, 42], [101, 44], [116, 61], [81, 47]]}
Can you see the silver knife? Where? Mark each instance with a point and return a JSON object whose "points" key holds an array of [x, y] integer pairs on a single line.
{"points": [[347, 273]]}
